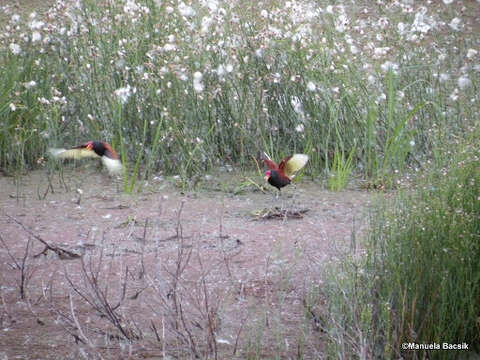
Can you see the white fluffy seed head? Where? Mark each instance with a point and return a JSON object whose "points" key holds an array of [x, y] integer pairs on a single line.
{"points": [[464, 82]]}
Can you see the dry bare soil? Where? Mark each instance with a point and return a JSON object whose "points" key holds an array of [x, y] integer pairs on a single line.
{"points": [[205, 271]]}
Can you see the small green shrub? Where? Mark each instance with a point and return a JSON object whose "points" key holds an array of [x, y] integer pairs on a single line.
{"points": [[420, 279]]}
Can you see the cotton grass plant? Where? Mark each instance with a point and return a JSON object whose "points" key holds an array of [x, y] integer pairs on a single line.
{"points": [[376, 91], [206, 83]]}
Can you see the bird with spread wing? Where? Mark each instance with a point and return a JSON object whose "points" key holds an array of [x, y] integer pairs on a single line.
{"points": [[282, 174], [92, 149]]}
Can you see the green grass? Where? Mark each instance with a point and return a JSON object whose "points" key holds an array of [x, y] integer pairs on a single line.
{"points": [[341, 170], [260, 93], [420, 279], [281, 79]]}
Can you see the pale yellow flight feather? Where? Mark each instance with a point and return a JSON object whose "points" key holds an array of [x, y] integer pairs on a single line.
{"points": [[72, 153], [295, 164]]}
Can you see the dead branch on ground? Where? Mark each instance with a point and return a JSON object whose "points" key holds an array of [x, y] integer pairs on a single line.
{"points": [[278, 213], [95, 293], [63, 254], [26, 270]]}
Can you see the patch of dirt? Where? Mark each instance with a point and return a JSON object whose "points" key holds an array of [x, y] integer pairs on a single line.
{"points": [[241, 278]]}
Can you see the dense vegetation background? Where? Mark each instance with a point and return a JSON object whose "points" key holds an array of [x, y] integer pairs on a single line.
{"points": [[386, 91]]}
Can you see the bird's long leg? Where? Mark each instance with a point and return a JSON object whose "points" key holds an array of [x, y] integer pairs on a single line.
{"points": [[278, 197], [118, 184], [292, 205], [283, 208], [295, 195]]}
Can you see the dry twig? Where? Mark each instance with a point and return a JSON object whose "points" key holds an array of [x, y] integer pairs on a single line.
{"points": [[63, 254]]}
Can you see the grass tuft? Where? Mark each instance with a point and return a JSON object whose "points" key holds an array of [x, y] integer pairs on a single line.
{"points": [[420, 279]]}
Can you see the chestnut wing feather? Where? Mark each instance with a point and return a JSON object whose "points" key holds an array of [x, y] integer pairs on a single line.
{"points": [[270, 163], [81, 146], [283, 163]]}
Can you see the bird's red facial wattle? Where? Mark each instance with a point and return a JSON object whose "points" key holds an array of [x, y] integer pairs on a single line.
{"points": [[89, 146], [268, 173]]}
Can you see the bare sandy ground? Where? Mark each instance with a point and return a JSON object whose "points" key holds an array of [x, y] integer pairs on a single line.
{"points": [[198, 247]]}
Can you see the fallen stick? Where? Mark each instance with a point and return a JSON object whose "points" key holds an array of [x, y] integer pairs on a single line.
{"points": [[63, 254], [277, 213]]}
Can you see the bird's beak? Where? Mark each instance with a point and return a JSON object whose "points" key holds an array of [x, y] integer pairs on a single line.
{"points": [[266, 177], [90, 146]]}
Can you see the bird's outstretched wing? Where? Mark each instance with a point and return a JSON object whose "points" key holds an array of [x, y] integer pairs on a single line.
{"points": [[91, 150], [88, 145], [270, 163], [77, 153], [293, 164], [283, 163]]}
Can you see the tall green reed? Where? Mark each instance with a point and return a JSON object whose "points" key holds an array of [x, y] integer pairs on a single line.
{"points": [[420, 279], [278, 96]]}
